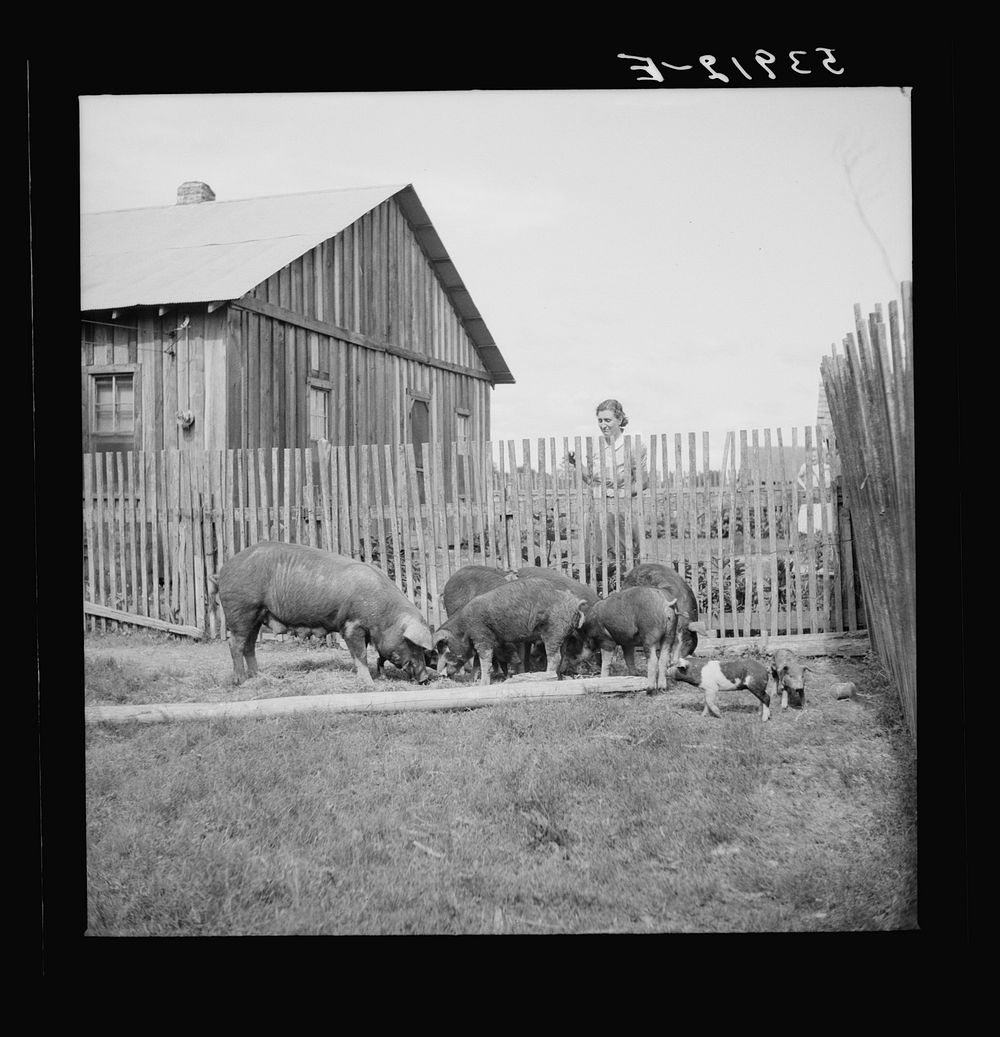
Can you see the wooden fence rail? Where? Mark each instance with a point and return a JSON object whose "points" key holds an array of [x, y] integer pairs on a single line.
{"points": [[157, 525], [870, 392]]}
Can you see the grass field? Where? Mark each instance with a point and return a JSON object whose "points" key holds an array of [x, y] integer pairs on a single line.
{"points": [[623, 814]]}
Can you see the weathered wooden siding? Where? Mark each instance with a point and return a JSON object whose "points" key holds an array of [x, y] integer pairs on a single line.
{"points": [[363, 314], [175, 369], [374, 278]]}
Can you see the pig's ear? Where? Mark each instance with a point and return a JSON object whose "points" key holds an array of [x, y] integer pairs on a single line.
{"points": [[581, 612], [417, 631], [672, 603]]}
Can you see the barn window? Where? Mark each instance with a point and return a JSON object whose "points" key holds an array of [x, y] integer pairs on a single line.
{"points": [[114, 406], [319, 412]]}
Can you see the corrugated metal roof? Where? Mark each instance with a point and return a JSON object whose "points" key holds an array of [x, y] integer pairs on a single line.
{"points": [[216, 251]]}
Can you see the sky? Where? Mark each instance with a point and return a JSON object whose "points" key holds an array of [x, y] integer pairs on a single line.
{"points": [[692, 253]]}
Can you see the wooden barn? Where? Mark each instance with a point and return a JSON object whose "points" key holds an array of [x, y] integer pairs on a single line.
{"points": [[275, 321]]}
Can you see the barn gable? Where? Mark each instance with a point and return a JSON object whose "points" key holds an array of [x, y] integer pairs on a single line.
{"points": [[275, 321]]}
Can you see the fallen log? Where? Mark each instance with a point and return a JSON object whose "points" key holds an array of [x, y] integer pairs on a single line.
{"points": [[93, 609], [801, 644], [429, 698]]}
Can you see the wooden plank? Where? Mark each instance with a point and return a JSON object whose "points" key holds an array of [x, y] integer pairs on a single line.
{"points": [[93, 609], [582, 517], [263, 502], [787, 518], [513, 502], [480, 516], [692, 510], [250, 500], [468, 521], [830, 598], [603, 514], [542, 494], [129, 495], [438, 529], [88, 526], [640, 506], [364, 504], [797, 546], [680, 501], [305, 500], [528, 490], [743, 498], [455, 537], [192, 599], [734, 518], [720, 545], [144, 518], [758, 527], [201, 537], [284, 474], [847, 568], [707, 508], [421, 553], [411, 699], [624, 509], [109, 489], [347, 542], [810, 552], [274, 511], [354, 508], [772, 518], [393, 531], [211, 533], [120, 555], [404, 556], [324, 452], [100, 491], [383, 544], [161, 548]]}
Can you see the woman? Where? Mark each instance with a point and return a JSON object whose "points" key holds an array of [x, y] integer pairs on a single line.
{"points": [[611, 420]]}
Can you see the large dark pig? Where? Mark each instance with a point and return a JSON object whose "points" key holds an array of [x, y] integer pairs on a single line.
{"points": [[713, 676], [655, 574], [293, 586], [573, 658], [520, 613], [468, 582], [636, 616], [789, 678], [559, 579]]}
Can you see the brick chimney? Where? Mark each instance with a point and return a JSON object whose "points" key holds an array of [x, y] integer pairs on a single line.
{"points": [[193, 191]]}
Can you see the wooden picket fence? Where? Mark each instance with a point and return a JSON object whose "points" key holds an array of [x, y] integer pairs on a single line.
{"points": [[157, 525], [870, 392]]}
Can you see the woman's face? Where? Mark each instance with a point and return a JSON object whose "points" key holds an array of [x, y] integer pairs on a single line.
{"points": [[608, 423]]}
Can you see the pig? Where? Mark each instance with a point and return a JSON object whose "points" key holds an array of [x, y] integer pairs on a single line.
{"points": [[655, 574], [635, 616], [715, 675], [559, 579], [520, 612], [573, 657], [293, 586], [468, 582], [788, 674]]}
